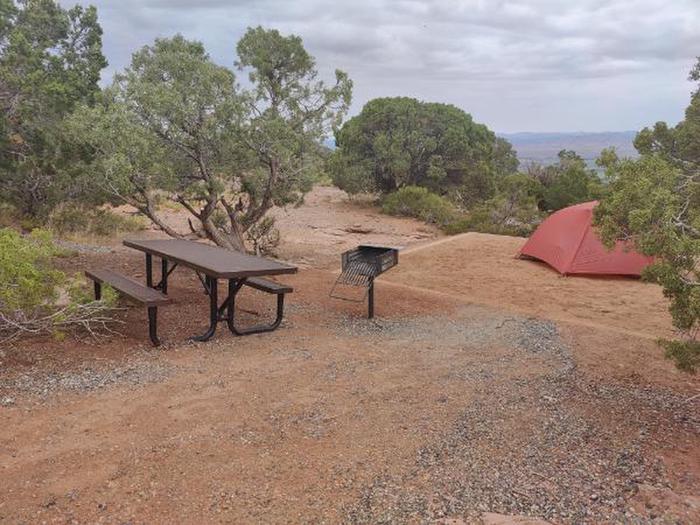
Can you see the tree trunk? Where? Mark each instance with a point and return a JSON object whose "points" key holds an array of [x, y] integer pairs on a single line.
{"points": [[150, 212], [230, 241]]}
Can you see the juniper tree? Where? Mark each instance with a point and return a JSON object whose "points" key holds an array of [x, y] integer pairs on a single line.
{"points": [[50, 60], [655, 203], [398, 142], [175, 125]]}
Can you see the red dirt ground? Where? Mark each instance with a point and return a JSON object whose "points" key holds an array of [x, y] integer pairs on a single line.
{"points": [[432, 413]]}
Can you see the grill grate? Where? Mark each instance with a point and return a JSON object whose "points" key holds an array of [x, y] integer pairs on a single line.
{"points": [[358, 273], [359, 268]]}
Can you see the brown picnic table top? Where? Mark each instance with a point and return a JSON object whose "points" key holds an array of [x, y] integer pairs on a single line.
{"points": [[212, 261]]}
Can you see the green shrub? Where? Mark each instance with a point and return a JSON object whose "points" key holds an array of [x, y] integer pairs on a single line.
{"points": [[353, 177], [219, 218], [399, 141], [106, 223], [36, 298], [264, 236], [567, 182], [8, 215], [481, 220], [25, 270], [76, 219], [69, 219], [512, 211], [418, 202]]}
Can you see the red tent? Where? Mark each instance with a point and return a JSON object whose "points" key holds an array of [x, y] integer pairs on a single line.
{"points": [[566, 240]]}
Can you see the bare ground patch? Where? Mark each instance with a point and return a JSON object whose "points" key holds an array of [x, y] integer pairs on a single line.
{"points": [[485, 385]]}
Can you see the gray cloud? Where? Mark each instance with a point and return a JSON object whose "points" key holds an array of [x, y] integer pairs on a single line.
{"points": [[514, 64]]}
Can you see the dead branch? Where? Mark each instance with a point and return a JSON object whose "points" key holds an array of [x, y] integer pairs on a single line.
{"points": [[93, 318]]}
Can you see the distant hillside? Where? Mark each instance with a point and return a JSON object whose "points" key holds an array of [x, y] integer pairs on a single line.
{"points": [[543, 147]]}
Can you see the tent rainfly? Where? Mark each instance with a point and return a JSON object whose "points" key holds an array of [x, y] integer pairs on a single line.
{"points": [[567, 241]]}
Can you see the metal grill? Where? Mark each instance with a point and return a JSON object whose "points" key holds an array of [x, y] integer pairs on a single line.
{"points": [[357, 273], [359, 269]]}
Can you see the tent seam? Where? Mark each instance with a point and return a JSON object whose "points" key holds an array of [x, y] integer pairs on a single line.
{"points": [[585, 232]]}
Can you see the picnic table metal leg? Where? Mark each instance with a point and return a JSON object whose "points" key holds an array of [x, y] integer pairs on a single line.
{"points": [[165, 270], [153, 325], [234, 288], [149, 270], [164, 275], [212, 286]]}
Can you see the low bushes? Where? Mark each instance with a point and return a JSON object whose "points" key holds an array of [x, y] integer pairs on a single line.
{"points": [[418, 202], [482, 220], [74, 219], [35, 298], [513, 212], [264, 237]]}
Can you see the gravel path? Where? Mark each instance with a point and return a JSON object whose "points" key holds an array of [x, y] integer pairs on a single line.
{"points": [[40, 384], [82, 247], [576, 447]]}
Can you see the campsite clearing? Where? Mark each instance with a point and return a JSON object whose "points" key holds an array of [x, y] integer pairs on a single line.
{"points": [[486, 384]]}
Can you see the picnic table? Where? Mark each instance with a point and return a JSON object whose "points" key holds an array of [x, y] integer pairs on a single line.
{"points": [[211, 264]]}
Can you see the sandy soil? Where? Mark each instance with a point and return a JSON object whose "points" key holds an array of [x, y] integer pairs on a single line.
{"points": [[484, 269], [488, 390], [596, 312], [314, 236]]}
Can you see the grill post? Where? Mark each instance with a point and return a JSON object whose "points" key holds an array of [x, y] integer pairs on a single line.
{"points": [[359, 268]]}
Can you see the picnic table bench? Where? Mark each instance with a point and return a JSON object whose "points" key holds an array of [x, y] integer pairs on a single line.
{"points": [[138, 293], [211, 264]]}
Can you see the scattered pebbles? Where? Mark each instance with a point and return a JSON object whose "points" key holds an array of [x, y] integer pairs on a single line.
{"points": [[557, 445], [40, 383]]}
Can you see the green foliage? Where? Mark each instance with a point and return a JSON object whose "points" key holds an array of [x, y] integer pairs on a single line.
{"points": [[37, 298], [481, 219], [50, 60], [420, 203], [679, 145], [686, 354], [81, 219], [174, 123], [106, 223], [568, 182], [657, 206], [608, 158], [512, 211], [351, 175], [398, 142], [25, 270], [655, 202], [264, 237], [8, 215]]}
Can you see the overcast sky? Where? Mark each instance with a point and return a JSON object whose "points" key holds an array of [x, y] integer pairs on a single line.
{"points": [[518, 65]]}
